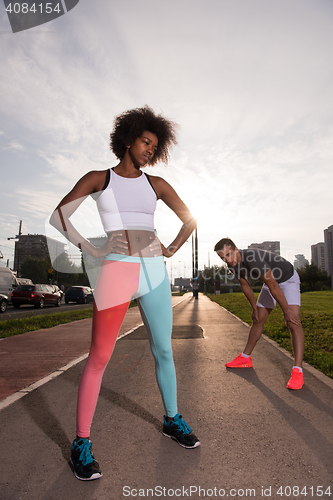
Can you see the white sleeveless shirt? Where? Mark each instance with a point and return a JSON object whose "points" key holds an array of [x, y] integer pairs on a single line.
{"points": [[127, 203]]}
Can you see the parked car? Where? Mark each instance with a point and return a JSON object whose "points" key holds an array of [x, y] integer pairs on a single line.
{"points": [[79, 294], [37, 295], [3, 303], [8, 281]]}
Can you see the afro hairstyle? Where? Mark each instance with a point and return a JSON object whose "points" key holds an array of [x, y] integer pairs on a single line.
{"points": [[131, 124]]}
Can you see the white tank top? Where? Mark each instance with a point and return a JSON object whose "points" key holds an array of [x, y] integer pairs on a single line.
{"points": [[127, 203]]}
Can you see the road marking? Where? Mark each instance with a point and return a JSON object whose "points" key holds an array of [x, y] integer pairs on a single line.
{"points": [[26, 390]]}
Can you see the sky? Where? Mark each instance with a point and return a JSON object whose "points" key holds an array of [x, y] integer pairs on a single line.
{"points": [[250, 83]]}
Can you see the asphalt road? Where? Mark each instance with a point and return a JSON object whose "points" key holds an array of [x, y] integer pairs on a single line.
{"points": [[258, 439]]}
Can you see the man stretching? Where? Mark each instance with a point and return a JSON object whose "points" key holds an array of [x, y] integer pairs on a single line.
{"points": [[281, 285]]}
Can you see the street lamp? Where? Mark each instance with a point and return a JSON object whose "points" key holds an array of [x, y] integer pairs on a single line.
{"points": [[195, 254]]}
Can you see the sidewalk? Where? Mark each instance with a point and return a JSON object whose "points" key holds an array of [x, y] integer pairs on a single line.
{"points": [[257, 438]]}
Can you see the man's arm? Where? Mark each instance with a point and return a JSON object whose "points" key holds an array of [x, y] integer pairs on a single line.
{"points": [[248, 292], [278, 295]]}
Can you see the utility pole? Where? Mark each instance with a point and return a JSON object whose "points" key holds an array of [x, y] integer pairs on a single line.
{"points": [[19, 233], [15, 238], [195, 263], [195, 253]]}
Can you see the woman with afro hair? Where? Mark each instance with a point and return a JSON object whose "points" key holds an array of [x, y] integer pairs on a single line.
{"points": [[132, 267]]}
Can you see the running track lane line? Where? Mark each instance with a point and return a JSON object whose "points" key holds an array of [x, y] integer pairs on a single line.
{"points": [[26, 390]]}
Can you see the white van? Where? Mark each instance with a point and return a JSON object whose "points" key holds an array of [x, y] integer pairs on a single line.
{"points": [[8, 282]]}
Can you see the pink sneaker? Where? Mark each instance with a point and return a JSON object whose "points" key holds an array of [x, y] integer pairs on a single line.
{"points": [[296, 380], [240, 362]]}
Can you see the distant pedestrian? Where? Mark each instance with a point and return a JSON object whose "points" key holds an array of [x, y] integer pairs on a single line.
{"points": [[195, 288], [281, 285], [133, 267]]}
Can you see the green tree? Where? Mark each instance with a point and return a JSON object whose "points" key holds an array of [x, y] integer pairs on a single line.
{"points": [[67, 273], [313, 278], [210, 275], [35, 269]]}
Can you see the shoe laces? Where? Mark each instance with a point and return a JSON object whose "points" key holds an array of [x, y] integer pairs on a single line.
{"points": [[86, 457], [181, 424]]}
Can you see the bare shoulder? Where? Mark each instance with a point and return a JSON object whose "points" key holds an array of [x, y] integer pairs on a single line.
{"points": [[90, 183], [160, 185], [93, 181], [96, 177]]}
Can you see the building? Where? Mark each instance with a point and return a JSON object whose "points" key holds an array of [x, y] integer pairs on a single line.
{"points": [[328, 242], [183, 283], [34, 245], [270, 246], [300, 261], [318, 255]]}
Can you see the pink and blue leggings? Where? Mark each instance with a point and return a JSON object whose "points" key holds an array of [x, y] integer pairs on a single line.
{"points": [[122, 278]]}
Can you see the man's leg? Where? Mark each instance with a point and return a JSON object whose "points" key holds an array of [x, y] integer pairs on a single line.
{"points": [[297, 338], [244, 360], [291, 290], [256, 330], [296, 380]]}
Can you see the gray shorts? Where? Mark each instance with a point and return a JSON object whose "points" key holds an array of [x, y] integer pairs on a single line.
{"points": [[291, 291]]}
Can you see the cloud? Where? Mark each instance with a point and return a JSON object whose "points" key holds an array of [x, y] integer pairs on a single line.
{"points": [[15, 145], [248, 82]]}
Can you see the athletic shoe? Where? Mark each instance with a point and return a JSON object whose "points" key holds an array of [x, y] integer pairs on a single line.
{"points": [[84, 464], [240, 362], [296, 380], [178, 430]]}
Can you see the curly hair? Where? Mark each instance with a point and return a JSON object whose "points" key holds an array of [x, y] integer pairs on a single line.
{"points": [[131, 124]]}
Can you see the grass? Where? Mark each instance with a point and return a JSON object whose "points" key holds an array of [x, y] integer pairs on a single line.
{"points": [[11, 327], [317, 321]]}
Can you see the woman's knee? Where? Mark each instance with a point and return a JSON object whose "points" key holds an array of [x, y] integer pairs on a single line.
{"points": [[98, 361], [162, 352]]}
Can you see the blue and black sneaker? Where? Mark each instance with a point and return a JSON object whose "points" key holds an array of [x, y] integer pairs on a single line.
{"points": [[84, 464], [178, 430]]}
